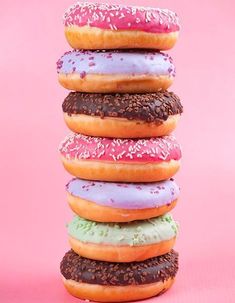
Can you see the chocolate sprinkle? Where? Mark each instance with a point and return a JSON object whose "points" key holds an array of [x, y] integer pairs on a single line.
{"points": [[152, 107], [153, 270]]}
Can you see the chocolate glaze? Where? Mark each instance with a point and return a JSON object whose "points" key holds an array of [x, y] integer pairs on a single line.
{"points": [[152, 107], [153, 270]]}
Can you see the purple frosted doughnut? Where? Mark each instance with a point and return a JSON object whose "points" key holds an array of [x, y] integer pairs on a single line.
{"points": [[116, 62], [125, 195]]}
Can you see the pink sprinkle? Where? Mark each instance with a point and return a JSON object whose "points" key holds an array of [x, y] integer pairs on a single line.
{"points": [[82, 75], [91, 64]]}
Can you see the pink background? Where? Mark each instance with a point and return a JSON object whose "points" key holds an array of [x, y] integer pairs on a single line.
{"points": [[33, 207]]}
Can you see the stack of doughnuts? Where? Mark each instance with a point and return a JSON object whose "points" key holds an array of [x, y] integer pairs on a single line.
{"points": [[121, 151]]}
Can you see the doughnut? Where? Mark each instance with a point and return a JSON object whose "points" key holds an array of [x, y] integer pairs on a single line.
{"points": [[115, 71], [118, 282], [121, 202], [122, 116], [120, 160], [106, 26], [122, 242]]}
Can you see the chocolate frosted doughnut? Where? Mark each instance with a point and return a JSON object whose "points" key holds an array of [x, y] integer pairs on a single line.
{"points": [[151, 107], [122, 115], [106, 26], [84, 270], [106, 281], [115, 71]]}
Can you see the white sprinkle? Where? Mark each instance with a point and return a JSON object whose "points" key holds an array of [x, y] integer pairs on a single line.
{"points": [[114, 158], [101, 154], [129, 155]]}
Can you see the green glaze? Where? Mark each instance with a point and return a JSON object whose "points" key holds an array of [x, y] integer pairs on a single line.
{"points": [[134, 233]]}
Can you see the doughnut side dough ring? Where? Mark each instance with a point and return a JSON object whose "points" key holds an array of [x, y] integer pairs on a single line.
{"points": [[86, 37], [121, 172], [95, 83], [119, 127], [94, 212], [111, 253], [105, 293]]}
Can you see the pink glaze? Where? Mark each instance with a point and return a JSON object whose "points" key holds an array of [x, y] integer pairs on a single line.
{"points": [[80, 147], [119, 17]]}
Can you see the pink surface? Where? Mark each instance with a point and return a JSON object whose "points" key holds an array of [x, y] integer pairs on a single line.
{"points": [[33, 208]]}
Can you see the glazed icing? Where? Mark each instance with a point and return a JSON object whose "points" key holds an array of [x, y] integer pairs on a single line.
{"points": [[112, 62], [125, 195], [135, 233], [120, 17], [149, 107], [158, 269], [81, 147]]}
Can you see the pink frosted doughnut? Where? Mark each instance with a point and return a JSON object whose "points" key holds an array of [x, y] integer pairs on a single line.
{"points": [[106, 26], [124, 160]]}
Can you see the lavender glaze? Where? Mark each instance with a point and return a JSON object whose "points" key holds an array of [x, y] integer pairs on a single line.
{"points": [[125, 195], [116, 62]]}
